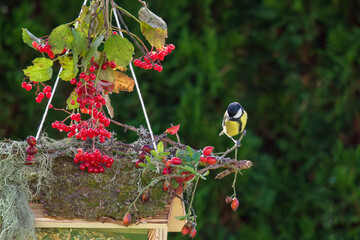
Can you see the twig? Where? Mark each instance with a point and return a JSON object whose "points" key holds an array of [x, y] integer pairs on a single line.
{"points": [[187, 203]]}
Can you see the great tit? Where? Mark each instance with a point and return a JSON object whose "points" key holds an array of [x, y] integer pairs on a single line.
{"points": [[234, 121]]}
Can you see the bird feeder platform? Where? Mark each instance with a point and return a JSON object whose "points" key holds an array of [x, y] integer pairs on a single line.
{"points": [[152, 228]]}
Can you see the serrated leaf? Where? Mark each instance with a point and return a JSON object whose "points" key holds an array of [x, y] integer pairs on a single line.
{"points": [[160, 147], [196, 156], [155, 36], [80, 42], [73, 96], [28, 37], [41, 70], [119, 50], [93, 49], [108, 106], [181, 218], [151, 18], [60, 38], [69, 70]]}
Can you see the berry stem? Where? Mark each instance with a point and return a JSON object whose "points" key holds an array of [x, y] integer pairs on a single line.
{"points": [[234, 185], [193, 194]]}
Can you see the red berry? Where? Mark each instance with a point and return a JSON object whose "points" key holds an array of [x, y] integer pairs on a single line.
{"points": [[38, 100], [41, 95], [82, 75], [228, 199], [73, 81], [203, 159], [235, 204], [166, 171], [87, 78], [104, 66], [185, 230], [24, 84], [115, 33], [176, 161], [31, 140], [31, 150], [72, 102], [48, 94], [82, 167], [142, 154], [171, 46], [160, 68], [145, 196], [208, 150], [127, 219], [92, 68], [28, 87], [192, 233], [92, 76], [50, 106], [211, 160], [147, 148], [168, 163], [137, 62], [112, 64], [137, 163], [34, 44]]}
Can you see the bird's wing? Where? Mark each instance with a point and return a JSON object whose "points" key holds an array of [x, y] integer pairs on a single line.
{"points": [[225, 118]]}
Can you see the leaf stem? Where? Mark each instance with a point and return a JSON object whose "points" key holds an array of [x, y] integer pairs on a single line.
{"points": [[127, 13]]}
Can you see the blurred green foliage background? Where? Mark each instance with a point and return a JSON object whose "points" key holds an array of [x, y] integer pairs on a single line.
{"points": [[293, 65]]}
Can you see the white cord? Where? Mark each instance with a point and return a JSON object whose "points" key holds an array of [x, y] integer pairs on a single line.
{"points": [[53, 91], [137, 87]]}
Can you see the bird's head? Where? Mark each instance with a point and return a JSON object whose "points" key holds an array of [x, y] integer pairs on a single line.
{"points": [[235, 110]]}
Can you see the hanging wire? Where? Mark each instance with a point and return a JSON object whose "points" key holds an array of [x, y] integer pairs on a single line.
{"points": [[137, 87], [54, 89]]}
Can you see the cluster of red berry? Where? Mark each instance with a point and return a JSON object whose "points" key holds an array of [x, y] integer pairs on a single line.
{"points": [[206, 158], [234, 202], [189, 229], [40, 95], [31, 150], [156, 57], [90, 102], [93, 161], [45, 47]]}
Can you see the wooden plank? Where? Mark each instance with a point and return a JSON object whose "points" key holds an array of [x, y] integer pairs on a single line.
{"points": [[157, 234], [177, 209]]}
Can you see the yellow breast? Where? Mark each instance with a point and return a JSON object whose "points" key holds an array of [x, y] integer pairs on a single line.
{"points": [[232, 128]]}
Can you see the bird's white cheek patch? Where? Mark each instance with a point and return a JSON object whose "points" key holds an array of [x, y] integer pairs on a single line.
{"points": [[238, 114]]}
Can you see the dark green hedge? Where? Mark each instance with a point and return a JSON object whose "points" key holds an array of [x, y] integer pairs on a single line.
{"points": [[293, 65]]}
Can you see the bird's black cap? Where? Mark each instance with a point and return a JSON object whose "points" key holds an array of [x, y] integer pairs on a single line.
{"points": [[233, 108]]}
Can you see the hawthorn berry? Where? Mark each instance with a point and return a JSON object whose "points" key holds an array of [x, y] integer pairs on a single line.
{"points": [[31, 150], [192, 233], [31, 140], [203, 159], [92, 68], [127, 219], [137, 163], [208, 150], [104, 66], [73, 81], [176, 161], [145, 196], [168, 164], [185, 230], [146, 148], [34, 44], [24, 84], [142, 154], [211, 160], [28, 87], [234, 204], [166, 171]]}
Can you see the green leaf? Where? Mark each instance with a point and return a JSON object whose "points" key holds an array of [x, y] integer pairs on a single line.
{"points": [[174, 184], [155, 36], [196, 156], [152, 167], [148, 159], [69, 70], [73, 96], [93, 49], [142, 165], [189, 151], [80, 42], [119, 50], [60, 38], [154, 153], [164, 154], [160, 147], [181, 218], [28, 37], [41, 70]]}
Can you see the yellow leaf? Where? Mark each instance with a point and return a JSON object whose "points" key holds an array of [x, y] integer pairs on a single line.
{"points": [[123, 82]]}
